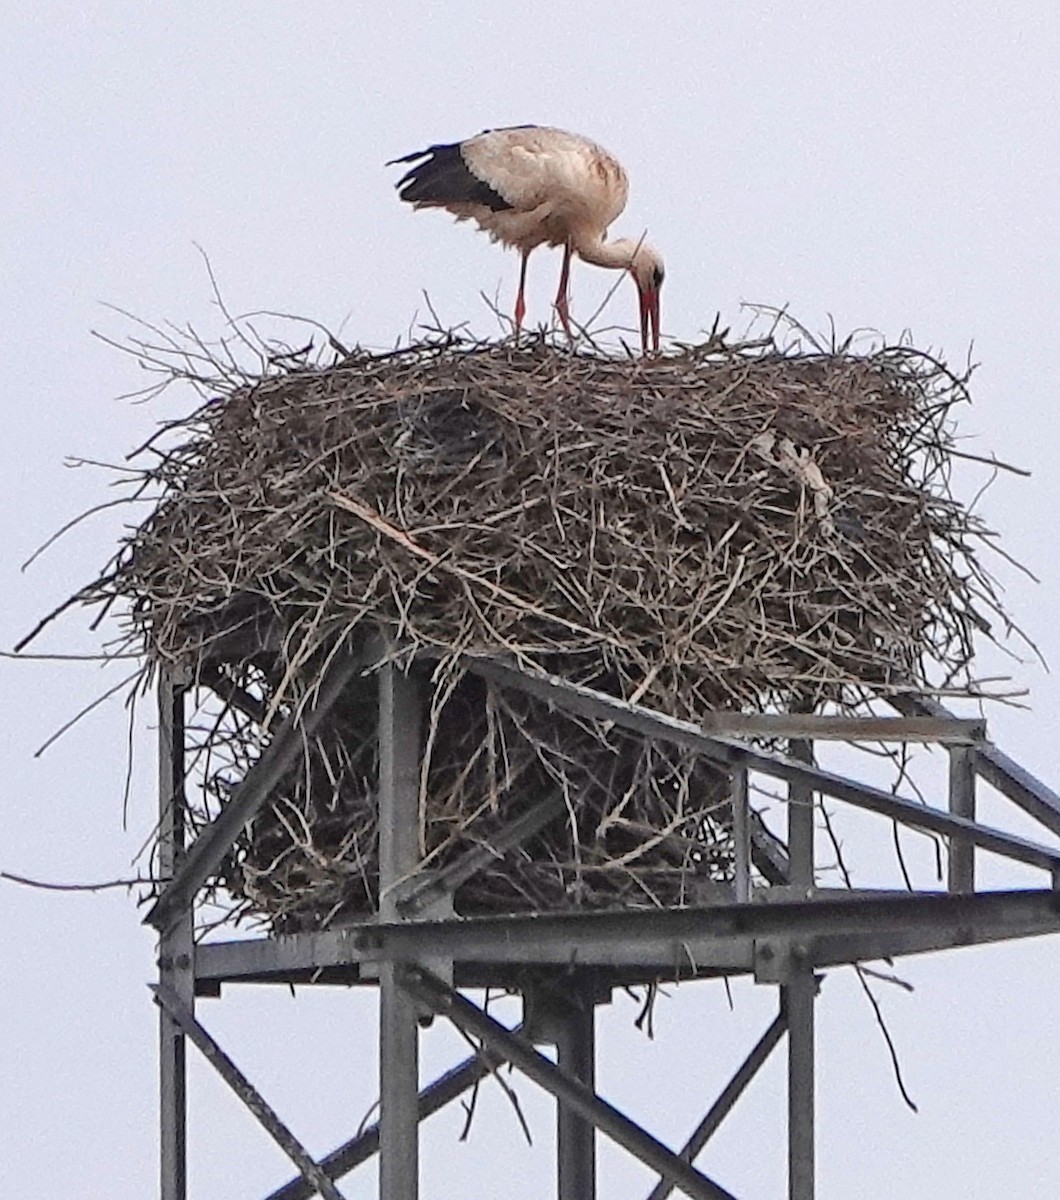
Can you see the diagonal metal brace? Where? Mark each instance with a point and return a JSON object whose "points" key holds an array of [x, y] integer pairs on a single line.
{"points": [[214, 842], [357, 1150], [430, 991], [732, 1091], [768, 853], [728, 752], [246, 1091], [1014, 782], [445, 881]]}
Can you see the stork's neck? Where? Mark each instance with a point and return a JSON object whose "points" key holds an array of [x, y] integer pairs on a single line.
{"points": [[617, 255]]}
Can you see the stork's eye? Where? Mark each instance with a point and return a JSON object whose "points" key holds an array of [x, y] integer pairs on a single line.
{"points": [[657, 277]]}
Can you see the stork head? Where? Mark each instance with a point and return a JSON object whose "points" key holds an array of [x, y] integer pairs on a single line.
{"points": [[646, 267]]}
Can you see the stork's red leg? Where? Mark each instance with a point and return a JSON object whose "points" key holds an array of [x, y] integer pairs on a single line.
{"points": [[562, 307], [520, 300]]}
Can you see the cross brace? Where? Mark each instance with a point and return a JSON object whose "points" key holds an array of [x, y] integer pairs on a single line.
{"points": [[246, 1091], [997, 768], [721, 1107], [627, 1133], [359, 1149]]}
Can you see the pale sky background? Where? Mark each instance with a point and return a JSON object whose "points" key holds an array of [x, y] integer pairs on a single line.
{"points": [[890, 165]]}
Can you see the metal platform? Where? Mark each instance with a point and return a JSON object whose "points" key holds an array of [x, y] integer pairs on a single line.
{"points": [[772, 923]]}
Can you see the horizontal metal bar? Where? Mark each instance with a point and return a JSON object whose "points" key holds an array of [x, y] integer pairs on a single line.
{"points": [[485, 940], [675, 943], [728, 752], [721, 1107], [950, 730], [357, 1150], [719, 936], [246, 1091], [571, 1092], [213, 843], [1014, 782], [263, 959], [830, 950]]}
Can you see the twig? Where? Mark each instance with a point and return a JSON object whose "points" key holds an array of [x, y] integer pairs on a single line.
{"points": [[380, 523], [25, 881]]}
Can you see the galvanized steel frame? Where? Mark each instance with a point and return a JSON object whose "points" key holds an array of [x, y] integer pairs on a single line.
{"points": [[418, 957]]}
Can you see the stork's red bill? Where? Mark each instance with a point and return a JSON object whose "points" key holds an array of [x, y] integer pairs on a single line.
{"points": [[528, 186]]}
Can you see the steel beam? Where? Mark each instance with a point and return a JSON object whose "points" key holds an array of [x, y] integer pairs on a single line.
{"points": [[400, 705], [213, 843], [399, 798], [961, 867], [175, 946], [768, 852], [682, 942], [581, 1099], [575, 1136], [948, 730], [171, 1003], [800, 992], [996, 767], [833, 950], [728, 752], [741, 834], [801, 819], [781, 942], [721, 1107], [398, 1090], [1020, 786], [921, 726]]}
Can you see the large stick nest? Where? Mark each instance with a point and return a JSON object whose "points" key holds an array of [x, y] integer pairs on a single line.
{"points": [[723, 527]]}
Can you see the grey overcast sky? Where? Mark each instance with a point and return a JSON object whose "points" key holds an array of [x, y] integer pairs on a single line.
{"points": [[893, 165]]}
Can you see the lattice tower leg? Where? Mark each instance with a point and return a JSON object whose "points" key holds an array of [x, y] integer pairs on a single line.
{"points": [[799, 994], [175, 945], [399, 770], [576, 1137]]}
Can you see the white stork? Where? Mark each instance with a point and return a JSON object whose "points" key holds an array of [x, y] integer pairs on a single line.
{"points": [[528, 186]]}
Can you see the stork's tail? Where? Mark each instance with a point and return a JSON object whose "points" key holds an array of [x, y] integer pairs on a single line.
{"points": [[443, 178]]}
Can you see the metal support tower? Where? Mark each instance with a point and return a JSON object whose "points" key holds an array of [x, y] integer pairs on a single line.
{"points": [[175, 948], [399, 796], [799, 990], [422, 959]]}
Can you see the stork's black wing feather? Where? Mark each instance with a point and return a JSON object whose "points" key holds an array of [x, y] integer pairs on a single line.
{"points": [[442, 177]]}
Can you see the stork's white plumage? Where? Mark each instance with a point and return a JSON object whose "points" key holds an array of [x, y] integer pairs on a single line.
{"points": [[530, 185]]}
